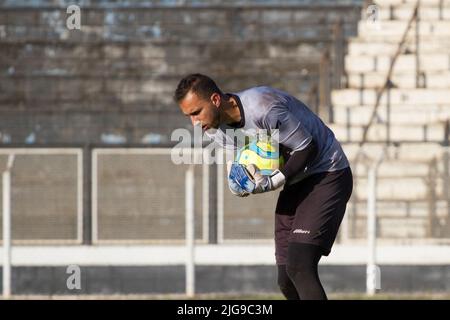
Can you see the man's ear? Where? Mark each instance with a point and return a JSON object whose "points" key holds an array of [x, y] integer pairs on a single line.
{"points": [[216, 99]]}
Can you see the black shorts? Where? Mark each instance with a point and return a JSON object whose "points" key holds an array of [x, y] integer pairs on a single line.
{"points": [[311, 211]]}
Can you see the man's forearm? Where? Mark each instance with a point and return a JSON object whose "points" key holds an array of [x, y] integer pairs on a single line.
{"points": [[299, 160]]}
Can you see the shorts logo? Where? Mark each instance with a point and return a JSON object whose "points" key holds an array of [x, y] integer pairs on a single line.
{"points": [[301, 231]]}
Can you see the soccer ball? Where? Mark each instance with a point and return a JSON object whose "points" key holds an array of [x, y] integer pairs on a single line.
{"points": [[262, 154]]}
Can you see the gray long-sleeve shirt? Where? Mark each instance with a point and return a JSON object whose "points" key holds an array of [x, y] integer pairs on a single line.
{"points": [[276, 111]]}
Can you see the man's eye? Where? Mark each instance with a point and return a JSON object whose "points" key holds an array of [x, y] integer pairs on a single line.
{"points": [[195, 113]]}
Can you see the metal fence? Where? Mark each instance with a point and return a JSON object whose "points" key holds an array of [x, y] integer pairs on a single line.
{"points": [[46, 192], [411, 192], [137, 195]]}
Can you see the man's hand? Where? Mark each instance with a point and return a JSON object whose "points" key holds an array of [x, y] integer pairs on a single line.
{"points": [[239, 180], [265, 183], [243, 180]]}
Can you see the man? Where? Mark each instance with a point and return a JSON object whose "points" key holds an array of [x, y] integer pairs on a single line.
{"points": [[316, 176]]}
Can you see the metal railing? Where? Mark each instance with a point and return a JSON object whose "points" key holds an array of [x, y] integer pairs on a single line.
{"points": [[120, 190]]}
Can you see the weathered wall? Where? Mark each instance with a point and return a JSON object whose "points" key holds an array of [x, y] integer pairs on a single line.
{"points": [[113, 79]]}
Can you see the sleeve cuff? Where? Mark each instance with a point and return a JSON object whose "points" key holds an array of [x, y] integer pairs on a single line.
{"points": [[278, 179]]}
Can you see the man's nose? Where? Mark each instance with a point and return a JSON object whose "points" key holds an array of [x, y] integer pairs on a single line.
{"points": [[194, 120]]}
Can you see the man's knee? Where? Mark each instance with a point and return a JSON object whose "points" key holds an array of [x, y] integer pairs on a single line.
{"points": [[302, 258], [285, 284], [283, 278]]}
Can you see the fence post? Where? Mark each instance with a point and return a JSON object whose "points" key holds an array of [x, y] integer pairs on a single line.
{"points": [[220, 193], [373, 274], [432, 180], [87, 195], [372, 271], [7, 228], [206, 204], [212, 198], [446, 159], [190, 235]]}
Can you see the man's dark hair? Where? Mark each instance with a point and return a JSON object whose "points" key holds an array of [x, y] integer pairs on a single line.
{"points": [[200, 84]]}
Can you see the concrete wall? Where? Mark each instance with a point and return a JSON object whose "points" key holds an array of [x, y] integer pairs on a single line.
{"points": [[112, 81], [221, 279]]}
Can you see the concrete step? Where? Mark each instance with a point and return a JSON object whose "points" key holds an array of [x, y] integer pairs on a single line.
{"points": [[405, 12], [402, 3], [360, 46], [398, 115], [399, 189], [393, 228], [406, 152], [393, 169], [398, 133], [397, 218], [402, 80], [401, 228], [412, 97], [400, 209], [396, 37], [405, 62], [398, 27]]}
